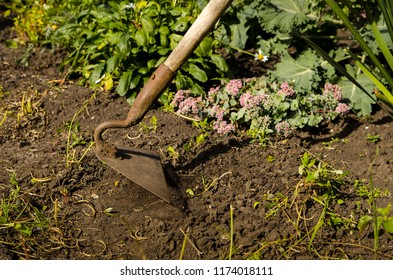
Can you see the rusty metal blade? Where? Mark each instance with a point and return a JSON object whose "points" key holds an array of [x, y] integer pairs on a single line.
{"points": [[142, 167]]}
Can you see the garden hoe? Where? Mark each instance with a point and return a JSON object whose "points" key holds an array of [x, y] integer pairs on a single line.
{"points": [[140, 166]]}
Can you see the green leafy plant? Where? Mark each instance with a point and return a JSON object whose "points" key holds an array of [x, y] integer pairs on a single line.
{"points": [[259, 108], [384, 220], [381, 216], [375, 75], [31, 21], [76, 138], [20, 215], [373, 138], [118, 44], [149, 127]]}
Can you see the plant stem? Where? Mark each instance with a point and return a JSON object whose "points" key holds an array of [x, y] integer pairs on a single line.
{"points": [[231, 232], [374, 206]]}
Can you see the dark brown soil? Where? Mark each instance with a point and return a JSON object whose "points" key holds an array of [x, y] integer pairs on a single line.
{"points": [[274, 209]]}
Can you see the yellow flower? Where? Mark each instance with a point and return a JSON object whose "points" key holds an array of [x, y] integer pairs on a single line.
{"points": [[260, 56]]}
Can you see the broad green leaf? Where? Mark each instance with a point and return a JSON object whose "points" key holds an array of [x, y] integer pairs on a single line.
{"points": [[148, 24], [239, 35], [220, 62], [113, 62], [196, 88], [181, 25], [134, 81], [164, 30], [284, 14], [141, 37], [96, 74], [197, 73], [388, 225], [159, 62], [124, 83], [360, 102], [181, 82], [384, 211], [175, 39], [364, 221], [205, 47], [302, 70], [151, 63]]}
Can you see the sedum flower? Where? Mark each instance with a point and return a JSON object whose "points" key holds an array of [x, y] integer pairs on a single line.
{"points": [[335, 90], [342, 108], [286, 89], [260, 56], [284, 128], [223, 127], [234, 86]]}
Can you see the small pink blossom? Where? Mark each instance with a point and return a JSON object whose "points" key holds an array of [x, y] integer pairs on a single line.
{"points": [[249, 101], [286, 89], [284, 128], [335, 90], [188, 105], [180, 95], [217, 112], [223, 127], [214, 90], [233, 87], [342, 108]]}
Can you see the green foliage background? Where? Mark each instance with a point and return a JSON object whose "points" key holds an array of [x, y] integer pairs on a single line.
{"points": [[118, 44]]}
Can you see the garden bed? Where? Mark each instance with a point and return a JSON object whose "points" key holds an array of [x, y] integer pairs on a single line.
{"points": [[244, 201]]}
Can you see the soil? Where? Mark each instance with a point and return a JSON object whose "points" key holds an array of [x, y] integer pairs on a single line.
{"points": [[245, 197]]}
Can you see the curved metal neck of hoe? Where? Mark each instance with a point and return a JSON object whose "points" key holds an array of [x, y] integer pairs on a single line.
{"points": [[152, 90]]}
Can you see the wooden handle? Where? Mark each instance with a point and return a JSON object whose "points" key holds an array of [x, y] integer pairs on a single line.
{"points": [[197, 32], [165, 72]]}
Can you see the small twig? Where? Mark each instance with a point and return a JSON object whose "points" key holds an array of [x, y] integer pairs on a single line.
{"points": [[191, 243]]}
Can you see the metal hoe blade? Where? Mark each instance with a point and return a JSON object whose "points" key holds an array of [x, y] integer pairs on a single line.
{"points": [[142, 167]]}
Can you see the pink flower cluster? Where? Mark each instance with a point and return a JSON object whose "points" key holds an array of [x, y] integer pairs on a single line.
{"points": [[284, 128], [249, 101], [233, 87], [335, 90], [216, 112], [342, 108], [186, 104], [223, 127], [180, 95], [286, 89]]}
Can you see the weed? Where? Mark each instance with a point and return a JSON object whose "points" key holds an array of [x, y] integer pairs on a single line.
{"points": [[188, 240], [363, 190], [75, 137], [381, 216], [173, 155], [152, 127], [319, 189], [259, 107], [384, 220], [373, 138], [231, 250], [270, 158], [328, 144], [208, 186], [109, 211]]}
